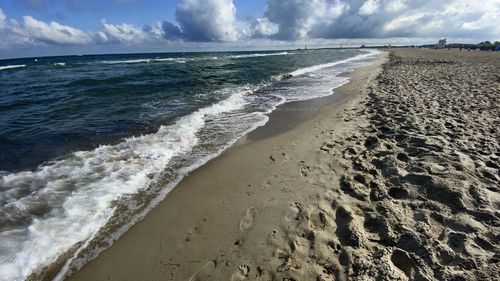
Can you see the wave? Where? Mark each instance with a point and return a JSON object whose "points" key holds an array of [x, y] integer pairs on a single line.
{"points": [[184, 59], [313, 68], [60, 64], [12, 66], [259, 55], [71, 199], [126, 61], [176, 60], [66, 202], [305, 70]]}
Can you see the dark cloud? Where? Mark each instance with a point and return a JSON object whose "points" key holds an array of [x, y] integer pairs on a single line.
{"points": [[171, 31], [382, 18]]}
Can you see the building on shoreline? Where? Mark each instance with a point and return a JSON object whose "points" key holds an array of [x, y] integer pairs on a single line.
{"points": [[441, 44]]}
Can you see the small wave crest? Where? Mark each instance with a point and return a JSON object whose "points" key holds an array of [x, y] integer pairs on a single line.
{"points": [[306, 70], [3, 67], [313, 68], [259, 55], [158, 60]]}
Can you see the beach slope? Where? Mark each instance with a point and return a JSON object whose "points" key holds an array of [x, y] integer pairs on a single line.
{"points": [[398, 180]]}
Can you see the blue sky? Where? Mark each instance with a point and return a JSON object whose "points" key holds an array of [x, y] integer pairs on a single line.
{"points": [[51, 27], [87, 14]]}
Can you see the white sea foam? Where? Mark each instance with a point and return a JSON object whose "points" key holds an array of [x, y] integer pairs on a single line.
{"points": [[12, 66], [60, 64], [126, 61], [305, 70], [259, 55], [320, 80], [153, 60], [82, 188]]}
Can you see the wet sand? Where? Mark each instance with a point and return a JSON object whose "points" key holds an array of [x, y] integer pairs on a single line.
{"points": [[396, 180]]}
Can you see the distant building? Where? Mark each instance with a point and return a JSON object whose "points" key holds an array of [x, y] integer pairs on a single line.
{"points": [[441, 44]]}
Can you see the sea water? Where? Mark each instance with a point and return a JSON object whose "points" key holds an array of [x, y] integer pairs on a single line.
{"points": [[89, 144]]}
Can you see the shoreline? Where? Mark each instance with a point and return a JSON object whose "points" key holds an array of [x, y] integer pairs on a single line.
{"points": [[204, 204]]}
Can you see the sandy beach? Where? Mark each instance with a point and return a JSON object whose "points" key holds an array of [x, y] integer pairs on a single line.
{"points": [[396, 177]]}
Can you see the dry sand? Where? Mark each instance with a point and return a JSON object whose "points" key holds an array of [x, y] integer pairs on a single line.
{"points": [[399, 180]]}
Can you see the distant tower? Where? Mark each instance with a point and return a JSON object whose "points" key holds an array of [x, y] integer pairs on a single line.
{"points": [[305, 47]]}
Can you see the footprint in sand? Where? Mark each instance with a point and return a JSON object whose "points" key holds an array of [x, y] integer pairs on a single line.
{"points": [[205, 272], [241, 273], [317, 220], [248, 220], [404, 262]]}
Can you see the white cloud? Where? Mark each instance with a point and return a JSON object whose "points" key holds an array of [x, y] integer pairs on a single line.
{"points": [[298, 19], [488, 20], [101, 37], [2, 15], [54, 32], [122, 33], [369, 7], [207, 20], [283, 21], [402, 22], [393, 6], [35, 32], [262, 27], [12, 33]]}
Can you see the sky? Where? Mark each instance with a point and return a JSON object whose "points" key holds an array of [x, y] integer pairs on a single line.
{"points": [[67, 27]]}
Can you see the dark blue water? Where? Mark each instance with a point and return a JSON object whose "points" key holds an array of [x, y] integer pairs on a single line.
{"points": [[47, 110], [82, 135]]}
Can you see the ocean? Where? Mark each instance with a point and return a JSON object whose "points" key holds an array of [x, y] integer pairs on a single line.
{"points": [[90, 144]]}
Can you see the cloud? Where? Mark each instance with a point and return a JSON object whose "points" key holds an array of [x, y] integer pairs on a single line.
{"points": [[12, 33], [369, 7], [207, 20], [120, 33], [215, 21], [297, 18], [36, 32], [262, 27], [382, 18], [171, 31], [393, 6], [2, 15], [54, 32], [487, 21]]}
